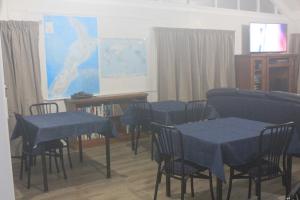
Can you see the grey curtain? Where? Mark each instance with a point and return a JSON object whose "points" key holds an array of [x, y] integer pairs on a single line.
{"points": [[192, 61], [20, 52], [294, 47]]}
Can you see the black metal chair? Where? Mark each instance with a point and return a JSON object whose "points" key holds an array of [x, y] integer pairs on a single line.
{"points": [[30, 150], [142, 114], [195, 110], [47, 108], [295, 193], [171, 162], [272, 147]]}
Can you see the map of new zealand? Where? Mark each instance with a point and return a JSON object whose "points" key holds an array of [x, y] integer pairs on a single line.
{"points": [[71, 47]]}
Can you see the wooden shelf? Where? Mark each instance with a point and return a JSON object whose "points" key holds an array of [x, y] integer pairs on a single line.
{"points": [[104, 99], [279, 65], [249, 67], [97, 105]]}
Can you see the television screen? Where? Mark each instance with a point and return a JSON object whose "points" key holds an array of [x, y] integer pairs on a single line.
{"points": [[268, 37]]}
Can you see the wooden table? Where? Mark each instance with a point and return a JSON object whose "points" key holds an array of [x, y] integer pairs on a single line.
{"points": [[49, 127]]}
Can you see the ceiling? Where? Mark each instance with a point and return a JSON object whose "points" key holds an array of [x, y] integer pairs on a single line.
{"points": [[290, 8], [293, 5]]}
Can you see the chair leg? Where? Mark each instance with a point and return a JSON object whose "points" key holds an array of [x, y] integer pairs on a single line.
{"points": [[34, 160], [286, 185], [288, 174], [25, 160], [50, 163], [283, 180], [44, 168], [55, 160], [258, 190], [158, 179], [29, 172], [183, 187], [152, 146], [80, 149], [137, 140], [69, 154], [61, 156], [168, 185], [230, 183], [250, 188], [21, 168], [132, 139], [192, 186], [211, 187]]}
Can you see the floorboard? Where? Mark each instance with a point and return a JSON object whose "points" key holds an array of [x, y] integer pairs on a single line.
{"points": [[133, 178]]}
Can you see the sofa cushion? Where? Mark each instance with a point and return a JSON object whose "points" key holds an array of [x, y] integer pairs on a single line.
{"points": [[228, 106], [221, 92], [252, 94], [284, 96], [272, 107]]}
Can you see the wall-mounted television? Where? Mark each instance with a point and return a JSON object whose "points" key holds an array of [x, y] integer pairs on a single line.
{"points": [[268, 37]]}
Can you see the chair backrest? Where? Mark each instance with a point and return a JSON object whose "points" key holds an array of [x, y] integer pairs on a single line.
{"points": [[43, 108], [142, 112], [27, 138], [295, 193], [195, 110], [273, 145], [169, 146]]}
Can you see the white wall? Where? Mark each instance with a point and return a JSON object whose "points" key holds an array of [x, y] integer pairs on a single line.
{"points": [[135, 21], [6, 177]]}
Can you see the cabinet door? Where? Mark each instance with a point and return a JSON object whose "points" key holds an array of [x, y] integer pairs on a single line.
{"points": [[280, 73], [258, 73]]}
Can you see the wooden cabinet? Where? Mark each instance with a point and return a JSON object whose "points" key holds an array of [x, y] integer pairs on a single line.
{"points": [[268, 72]]}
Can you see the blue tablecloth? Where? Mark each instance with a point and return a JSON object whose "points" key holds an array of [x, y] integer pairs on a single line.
{"points": [[168, 112], [294, 148], [214, 143], [64, 124], [164, 112]]}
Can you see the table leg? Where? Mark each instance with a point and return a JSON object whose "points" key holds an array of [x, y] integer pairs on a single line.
{"points": [[168, 185], [44, 166], [131, 131], [289, 174], [80, 148], [219, 189], [107, 146]]}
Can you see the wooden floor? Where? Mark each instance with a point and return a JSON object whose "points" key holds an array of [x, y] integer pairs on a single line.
{"points": [[133, 178]]}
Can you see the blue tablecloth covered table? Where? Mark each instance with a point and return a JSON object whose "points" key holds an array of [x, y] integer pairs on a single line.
{"points": [[61, 125], [64, 124], [214, 143], [164, 112], [168, 112]]}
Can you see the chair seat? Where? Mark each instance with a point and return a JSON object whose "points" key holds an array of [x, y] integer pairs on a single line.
{"points": [[190, 168], [295, 155], [51, 145], [267, 169]]}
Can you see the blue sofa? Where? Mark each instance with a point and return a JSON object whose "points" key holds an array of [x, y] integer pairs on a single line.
{"points": [[272, 107]]}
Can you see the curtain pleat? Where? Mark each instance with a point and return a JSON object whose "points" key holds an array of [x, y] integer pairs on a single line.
{"points": [[192, 61], [20, 52]]}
